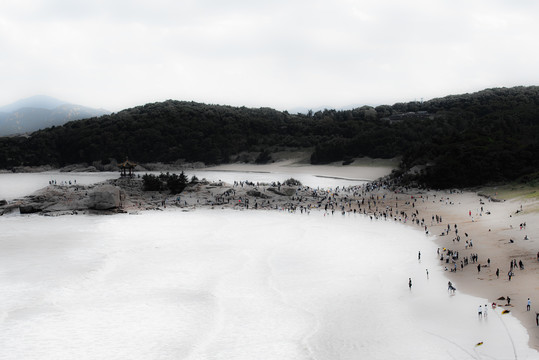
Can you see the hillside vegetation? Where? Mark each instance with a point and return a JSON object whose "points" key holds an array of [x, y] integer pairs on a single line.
{"points": [[460, 140]]}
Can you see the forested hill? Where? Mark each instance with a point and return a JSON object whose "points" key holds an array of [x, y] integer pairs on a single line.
{"points": [[464, 140]]}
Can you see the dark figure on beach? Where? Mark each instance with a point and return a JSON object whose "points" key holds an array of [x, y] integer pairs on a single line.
{"points": [[419, 256], [508, 300], [450, 287], [497, 273], [478, 268], [528, 305], [410, 283], [537, 318]]}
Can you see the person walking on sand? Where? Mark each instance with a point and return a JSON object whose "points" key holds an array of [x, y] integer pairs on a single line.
{"points": [[410, 283], [485, 311], [497, 273], [480, 311], [528, 305], [419, 255]]}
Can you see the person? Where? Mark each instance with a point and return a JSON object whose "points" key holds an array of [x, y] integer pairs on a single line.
{"points": [[485, 311], [480, 311], [497, 273], [508, 300], [537, 318], [478, 268], [427, 270], [419, 255], [528, 305], [410, 283]]}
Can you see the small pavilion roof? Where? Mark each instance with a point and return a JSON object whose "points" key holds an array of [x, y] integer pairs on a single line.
{"points": [[127, 164]]}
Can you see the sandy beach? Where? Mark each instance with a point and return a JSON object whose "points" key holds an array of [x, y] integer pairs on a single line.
{"points": [[487, 225], [498, 235], [497, 226]]}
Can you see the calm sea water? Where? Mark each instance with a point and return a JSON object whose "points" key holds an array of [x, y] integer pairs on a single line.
{"points": [[234, 285]]}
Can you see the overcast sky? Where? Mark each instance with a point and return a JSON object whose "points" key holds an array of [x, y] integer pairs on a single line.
{"points": [[285, 54]]}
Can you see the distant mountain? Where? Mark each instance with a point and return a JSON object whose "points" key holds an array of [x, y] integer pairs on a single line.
{"points": [[39, 112], [37, 101]]}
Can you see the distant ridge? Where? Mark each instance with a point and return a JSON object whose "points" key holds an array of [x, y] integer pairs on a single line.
{"points": [[36, 101], [39, 112]]}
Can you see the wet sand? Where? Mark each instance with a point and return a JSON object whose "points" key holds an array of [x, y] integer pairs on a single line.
{"points": [[488, 224]]}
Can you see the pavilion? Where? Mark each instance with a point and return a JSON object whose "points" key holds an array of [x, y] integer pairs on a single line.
{"points": [[127, 168]]}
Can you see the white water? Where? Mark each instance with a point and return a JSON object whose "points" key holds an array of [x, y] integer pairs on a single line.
{"points": [[234, 285]]}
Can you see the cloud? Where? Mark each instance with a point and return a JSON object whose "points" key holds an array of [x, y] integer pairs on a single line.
{"points": [[281, 54]]}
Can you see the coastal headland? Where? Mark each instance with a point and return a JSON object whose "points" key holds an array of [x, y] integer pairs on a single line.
{"points": [[483, 235]]}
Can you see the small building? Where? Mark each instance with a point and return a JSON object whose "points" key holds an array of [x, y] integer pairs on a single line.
{"points": [[127, 168]]}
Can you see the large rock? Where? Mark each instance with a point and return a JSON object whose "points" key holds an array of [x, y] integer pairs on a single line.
{"points": [[105, 197], [8, 208], [62, 206], [30, 208]]}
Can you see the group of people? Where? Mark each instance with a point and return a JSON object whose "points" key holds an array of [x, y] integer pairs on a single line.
{"points": [[482, 311], [63, 182]]}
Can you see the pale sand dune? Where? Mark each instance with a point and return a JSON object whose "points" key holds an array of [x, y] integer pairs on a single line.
{"points": [[364, 169]]}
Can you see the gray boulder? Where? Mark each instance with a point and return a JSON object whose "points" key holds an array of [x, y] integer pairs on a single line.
{"points": [[105, 197], [30, 208]]}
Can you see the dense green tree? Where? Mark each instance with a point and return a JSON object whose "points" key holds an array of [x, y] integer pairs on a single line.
{"points": [[462, 140]]}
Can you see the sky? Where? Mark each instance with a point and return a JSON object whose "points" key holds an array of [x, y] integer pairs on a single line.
{"points": [[288, 55]]}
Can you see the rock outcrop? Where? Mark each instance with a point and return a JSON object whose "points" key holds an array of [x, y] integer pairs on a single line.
{"points": [[126, 195], [54, 199], [104, 197]]}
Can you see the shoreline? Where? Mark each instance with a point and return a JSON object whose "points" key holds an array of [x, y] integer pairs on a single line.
{"points": [[490, 231], [489, 223]]}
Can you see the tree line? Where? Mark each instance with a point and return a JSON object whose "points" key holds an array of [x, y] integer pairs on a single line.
{"points": [[457, 141]]}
